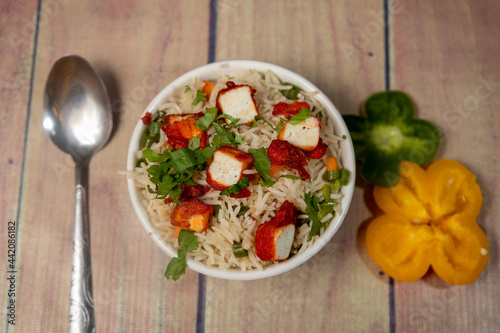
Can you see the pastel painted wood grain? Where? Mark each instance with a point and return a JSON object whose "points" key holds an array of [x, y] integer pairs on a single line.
{"points": [[444, 66], [444, 54], [336, 288], [136, 49], [16, 51]]}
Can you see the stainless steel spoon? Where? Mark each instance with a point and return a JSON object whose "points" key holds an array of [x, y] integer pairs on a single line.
{"points": [[77, 117]]}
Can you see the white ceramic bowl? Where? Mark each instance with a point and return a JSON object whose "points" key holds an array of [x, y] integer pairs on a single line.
{"points": [[211, 72]]}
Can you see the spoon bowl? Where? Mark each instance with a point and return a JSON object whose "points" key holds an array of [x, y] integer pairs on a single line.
{"points": [[77, 117], [77, 112]]}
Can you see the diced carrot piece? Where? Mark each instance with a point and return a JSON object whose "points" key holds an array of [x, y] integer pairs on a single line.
{"points": [[177, 231], [207, 89], [331, 163], [275, 168]]}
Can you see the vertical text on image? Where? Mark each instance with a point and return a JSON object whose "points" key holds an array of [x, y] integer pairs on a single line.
{"points": [[11, 272]]}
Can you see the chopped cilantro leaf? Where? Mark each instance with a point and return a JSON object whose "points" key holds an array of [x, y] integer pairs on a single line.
{"points": [[151, 156], [183, 158], [235, 189], [225, 137], [174, 169], [312, 210], [200, 97], [204, 154], [187, 240], [276, 129], [177, 266], [303, 114], [152, 133], [208, 118], [188, 88], [232, 121], [262, 164], [291, 93], [238, 139], [194, 143]]}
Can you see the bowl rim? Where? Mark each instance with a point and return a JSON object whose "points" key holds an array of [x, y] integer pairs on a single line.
{"points": [[212, 71]]}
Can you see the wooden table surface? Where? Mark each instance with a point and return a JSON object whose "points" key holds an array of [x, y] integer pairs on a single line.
{"points": [[443, 53]]}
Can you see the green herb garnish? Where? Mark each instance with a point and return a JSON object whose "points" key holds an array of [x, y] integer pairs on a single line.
{"points": [[236, 188], [177, 266], [225, 137], [262, 164], [290, 93], [182, 159], [303, 114], [152, 132], [200, 97], [194, 143], [174, 169], [276, 129], [233, 122], [312, 211], [208, 118]]}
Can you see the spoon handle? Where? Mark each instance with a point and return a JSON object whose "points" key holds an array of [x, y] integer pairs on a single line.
{"points": [[82, 302]]}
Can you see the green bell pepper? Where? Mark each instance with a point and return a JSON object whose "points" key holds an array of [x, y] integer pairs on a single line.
{"points": [[388, 134]]}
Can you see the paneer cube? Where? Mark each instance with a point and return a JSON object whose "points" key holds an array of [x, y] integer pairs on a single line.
{"points": [[304, 135], [274, 239], [180, 128], [192, 214], [237, 101], [227, 166]]}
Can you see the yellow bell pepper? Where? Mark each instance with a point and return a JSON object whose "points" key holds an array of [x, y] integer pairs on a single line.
{"points": [[430, 220]]}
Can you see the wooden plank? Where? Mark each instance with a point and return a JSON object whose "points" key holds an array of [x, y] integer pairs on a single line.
{"points": [[138, 48], [450, 68], [17, 22], [339, 289]]}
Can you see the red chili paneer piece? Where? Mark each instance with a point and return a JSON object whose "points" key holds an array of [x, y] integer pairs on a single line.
{"points": [[180, 128], [284, 153], [189, 191], [227, 167], [274, 239], [317, 152], [192, 214], [237, 101], [289, 110]]}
